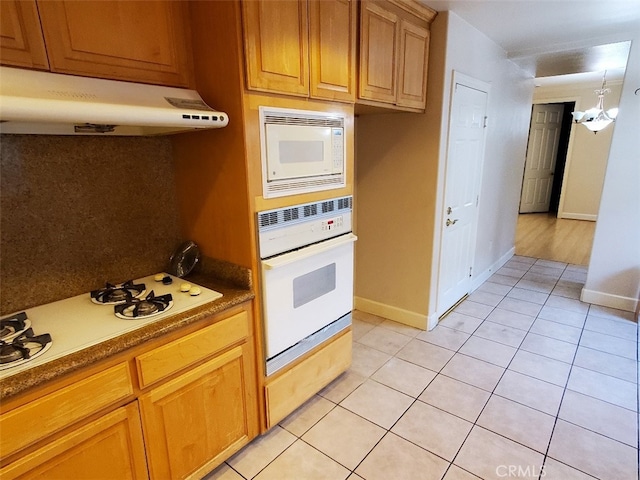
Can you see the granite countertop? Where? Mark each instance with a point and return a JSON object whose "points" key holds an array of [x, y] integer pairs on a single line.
{"points": [[232, 281]]}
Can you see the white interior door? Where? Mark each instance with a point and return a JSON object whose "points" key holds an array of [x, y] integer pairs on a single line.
{"points": [[542, 150], [462, 183]]}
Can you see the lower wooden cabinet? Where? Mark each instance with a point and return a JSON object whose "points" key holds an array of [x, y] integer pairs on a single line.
{"points": [[195, 419], [191, 405], [107, 448], [287, 391]]}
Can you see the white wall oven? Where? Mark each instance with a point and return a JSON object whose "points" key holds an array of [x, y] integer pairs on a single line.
{"points": [[307, 277], [302, 151]]}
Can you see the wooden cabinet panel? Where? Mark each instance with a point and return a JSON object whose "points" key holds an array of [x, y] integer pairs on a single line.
{"points": [[412, 74], [394, 50], [31, 422], [110, 447], [170, 358], [144, 41], [196, 417], [21, 40], [298, 384], [379, 30], [332, 46], [276, 46]]}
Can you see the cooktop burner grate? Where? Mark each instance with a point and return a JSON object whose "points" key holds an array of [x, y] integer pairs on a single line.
{"points": [[115, 294], [11, 327], [144, 307], [23, 348]]}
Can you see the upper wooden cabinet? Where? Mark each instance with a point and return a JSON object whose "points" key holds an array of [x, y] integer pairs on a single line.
{"points": [[304, 48], [379, 45], [21, 40], [332, 53], [394, 50], [142, 41], [276, 46]]}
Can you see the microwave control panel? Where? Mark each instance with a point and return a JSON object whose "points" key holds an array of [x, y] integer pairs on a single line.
{"points": [[337, 145]]}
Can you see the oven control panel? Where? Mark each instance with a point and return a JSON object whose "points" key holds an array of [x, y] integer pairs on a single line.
{"points": [[332, 223], [291, 228]]}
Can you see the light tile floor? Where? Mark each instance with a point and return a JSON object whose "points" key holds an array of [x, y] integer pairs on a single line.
{"points": [[521, 380]]}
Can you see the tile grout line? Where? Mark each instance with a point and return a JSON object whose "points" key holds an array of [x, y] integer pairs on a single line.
{"points": [[564, 391], [475, 423]]}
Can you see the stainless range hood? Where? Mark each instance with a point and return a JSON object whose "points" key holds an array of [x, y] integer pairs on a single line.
{"points": [[46, 103]]}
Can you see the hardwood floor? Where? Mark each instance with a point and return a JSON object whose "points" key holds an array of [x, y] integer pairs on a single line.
{"points": [[542, 235]]}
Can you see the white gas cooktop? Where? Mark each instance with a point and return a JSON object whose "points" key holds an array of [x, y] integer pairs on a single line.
{"points": [[76, 323]]}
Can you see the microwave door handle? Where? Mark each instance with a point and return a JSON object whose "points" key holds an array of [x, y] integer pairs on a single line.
{"points": [[307, 252]]}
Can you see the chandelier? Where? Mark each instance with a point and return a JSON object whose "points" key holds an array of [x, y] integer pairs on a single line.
{"points": [[596, 118]]}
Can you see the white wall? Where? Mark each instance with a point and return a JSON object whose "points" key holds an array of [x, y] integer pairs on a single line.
{"points": [[587, 152], [509, 109], [613, 278]]}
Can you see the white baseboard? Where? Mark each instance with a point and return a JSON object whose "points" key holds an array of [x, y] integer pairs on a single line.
{"points": [[484, 276], [609, 300], [396, 314], [578, 216]]}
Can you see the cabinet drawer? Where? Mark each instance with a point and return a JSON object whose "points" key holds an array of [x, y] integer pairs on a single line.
{"points": [[34, 421], [292, 389], [163, 361]]}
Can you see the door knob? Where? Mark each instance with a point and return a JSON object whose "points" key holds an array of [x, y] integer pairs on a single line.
{"points": [[450, 222]]}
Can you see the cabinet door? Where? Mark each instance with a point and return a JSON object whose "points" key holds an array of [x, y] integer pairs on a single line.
{"points": [[332, 43], [192, 419], [379, 42], [21, 41], [276, 46], [412, 74], [108, 448], [143, 41]]}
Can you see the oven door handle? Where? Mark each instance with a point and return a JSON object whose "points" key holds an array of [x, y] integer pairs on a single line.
{"points": [[307, 252]]}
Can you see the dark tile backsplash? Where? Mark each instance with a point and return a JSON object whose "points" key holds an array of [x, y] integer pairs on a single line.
{"points": [[76, 212]]}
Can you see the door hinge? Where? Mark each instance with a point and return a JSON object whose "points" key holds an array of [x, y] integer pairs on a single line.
{"points": [[470, 270], [485, 122]]}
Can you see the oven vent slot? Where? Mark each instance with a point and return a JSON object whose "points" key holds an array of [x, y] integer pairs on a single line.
{"points": [[310, 210], [344, 203], [328, 207], [291, 214], [269, 218]]}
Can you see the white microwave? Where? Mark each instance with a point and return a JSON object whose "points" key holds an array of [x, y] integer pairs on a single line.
{"points": [[302, 151]]}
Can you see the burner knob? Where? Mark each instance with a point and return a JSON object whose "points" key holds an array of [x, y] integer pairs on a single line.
{"points": [[185, 287], [194, 291]]}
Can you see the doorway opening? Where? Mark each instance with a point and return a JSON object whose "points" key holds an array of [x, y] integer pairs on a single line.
{"points": [[561, 156], [546, 157], [540, 233]]}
